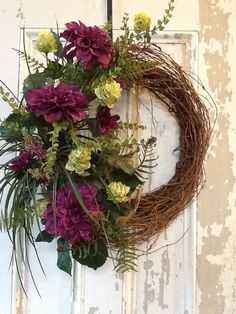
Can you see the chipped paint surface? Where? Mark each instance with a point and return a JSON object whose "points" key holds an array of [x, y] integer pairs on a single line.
{"points": [[93, 310], [164, 279], [149, 292], [216, 268]]}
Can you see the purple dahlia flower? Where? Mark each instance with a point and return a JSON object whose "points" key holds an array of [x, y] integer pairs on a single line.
{"points": [[72, 223], [88, 44], [106, 121], [23, 161], [36, 149], [57, 103]]}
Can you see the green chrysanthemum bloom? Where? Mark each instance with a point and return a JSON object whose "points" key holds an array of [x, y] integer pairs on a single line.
{"points": [[142, 22], [46, 42], [117, 192], [40, 206], [79, 159], [108, 93]]}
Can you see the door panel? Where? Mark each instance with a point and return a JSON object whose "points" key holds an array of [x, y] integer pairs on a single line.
{"points": [[168, 273]]}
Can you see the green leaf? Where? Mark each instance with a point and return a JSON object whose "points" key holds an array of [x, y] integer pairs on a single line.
{"points": [[59, 51], [124, 163], [63, 258], [96, 258], [36, 80], [131, 180], [77, 195], [113, 211], [53, 70], [10, 128], [19, 119], [44, 236]]}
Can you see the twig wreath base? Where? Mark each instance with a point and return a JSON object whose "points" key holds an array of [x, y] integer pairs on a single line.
{"points": [[170, 84]]}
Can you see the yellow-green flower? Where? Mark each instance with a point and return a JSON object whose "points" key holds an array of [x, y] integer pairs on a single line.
{"points": [[46, 42], [142, 22], [117, 192], [79, 159], [108, 93], [40, 206]]}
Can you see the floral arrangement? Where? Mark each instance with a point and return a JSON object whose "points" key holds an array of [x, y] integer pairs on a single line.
{"points": [[79, 170]]}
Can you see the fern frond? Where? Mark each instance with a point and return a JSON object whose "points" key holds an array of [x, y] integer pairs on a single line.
{"points": [[33, 63], [125, 255], [147, 157], [126, 259]]}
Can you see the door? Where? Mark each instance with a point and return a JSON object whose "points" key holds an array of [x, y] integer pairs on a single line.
{"points": [[174, 278]]}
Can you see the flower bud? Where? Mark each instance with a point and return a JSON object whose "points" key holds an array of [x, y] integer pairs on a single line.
{"points": [[142, 22], [117, 192], [46, 42]]}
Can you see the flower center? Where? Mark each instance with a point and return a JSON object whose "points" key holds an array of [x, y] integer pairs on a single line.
{"points": [[86, 42]]}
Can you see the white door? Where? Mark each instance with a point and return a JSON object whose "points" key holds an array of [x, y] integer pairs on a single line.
{"points": [[166, 280]]}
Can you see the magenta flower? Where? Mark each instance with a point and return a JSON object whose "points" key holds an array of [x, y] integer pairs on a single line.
{"points": [[122, 83], [23, 161], [88, 44], [71, 221], [36, 149], [57, 103], [106, 121]]}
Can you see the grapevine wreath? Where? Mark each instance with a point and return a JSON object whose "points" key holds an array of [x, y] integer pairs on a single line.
{"points": [[74, 168]]}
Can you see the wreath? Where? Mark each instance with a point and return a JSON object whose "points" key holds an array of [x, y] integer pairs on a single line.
{"points": [[75, 169]]}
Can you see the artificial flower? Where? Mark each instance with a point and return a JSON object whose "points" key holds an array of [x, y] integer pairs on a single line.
{"points": [[79, 159], [117, 192], [106, 121], [122, 83], [40, 206], [36, 149], [142, 22], [22, 162], [89, 45], [70, 220], [57, 103], [46, 42], [108, 93]]}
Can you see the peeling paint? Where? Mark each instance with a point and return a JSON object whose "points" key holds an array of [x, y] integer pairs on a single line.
{"points": [[216, 233], [214, 30], [149, 292], [164, 278], [215, 239], [218, 74], [93, 310], [117, 287], [20, 14], [216, 229]]}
